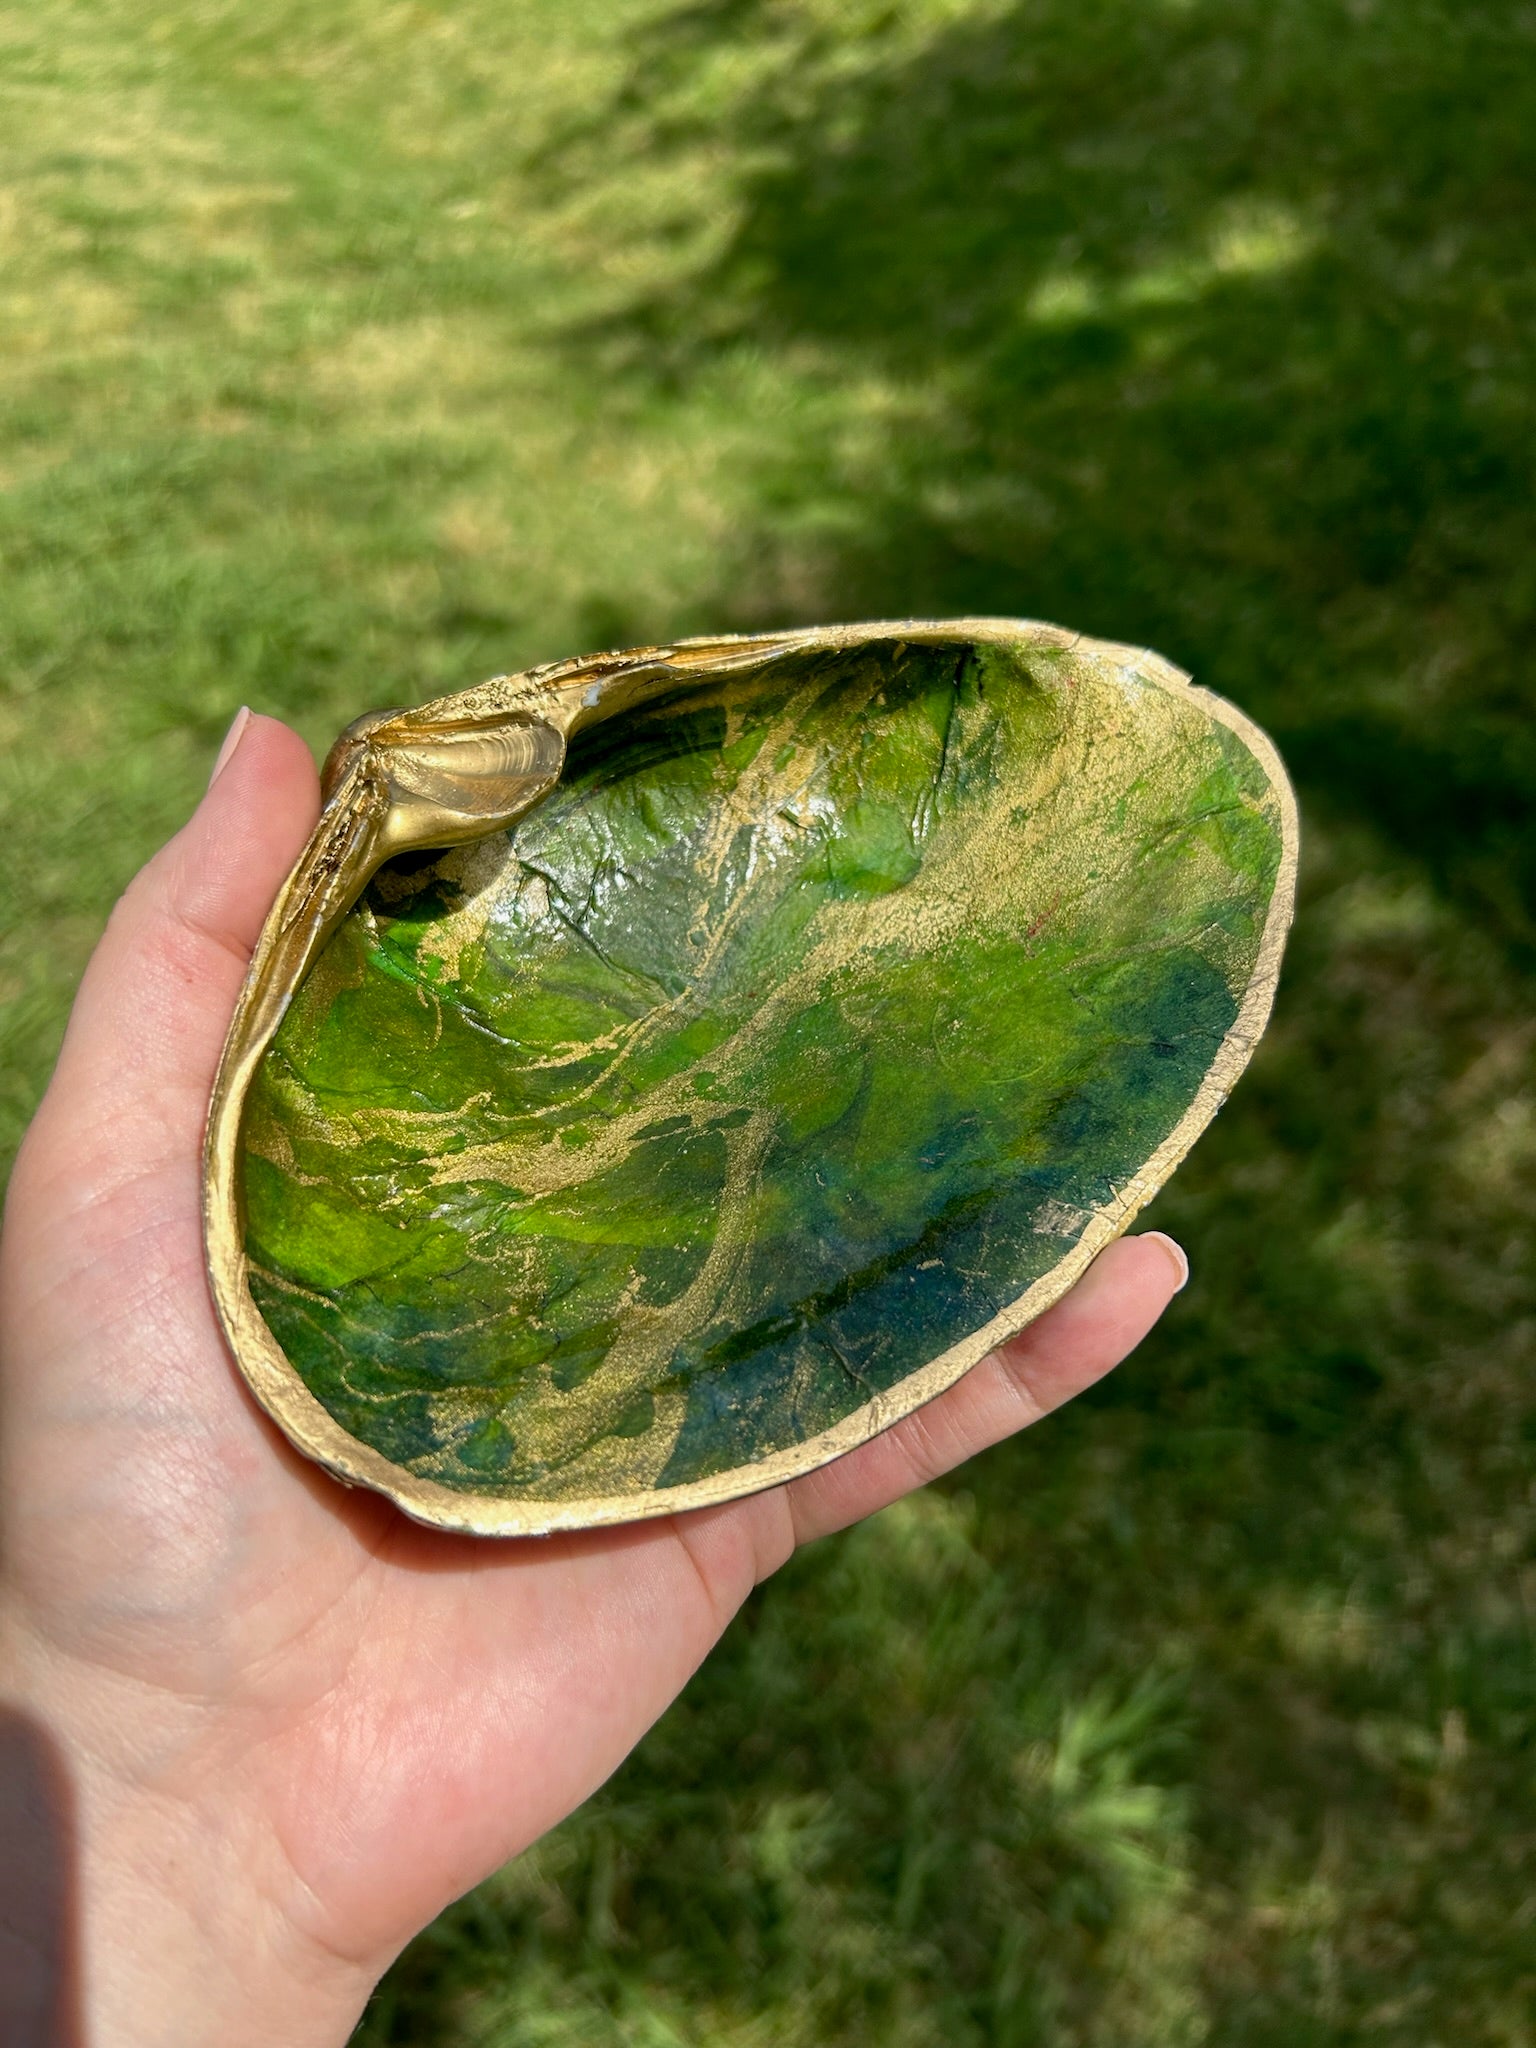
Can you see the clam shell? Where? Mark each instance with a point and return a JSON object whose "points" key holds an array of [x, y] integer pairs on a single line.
{"points": [[787, 1021]]}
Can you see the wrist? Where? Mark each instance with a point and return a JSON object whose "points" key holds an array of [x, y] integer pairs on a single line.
{"points": [[138, 1907], [182, 1944]]}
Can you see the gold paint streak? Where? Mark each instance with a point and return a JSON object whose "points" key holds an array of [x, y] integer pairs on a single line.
{"points": [[939, 903], [638, 1359]]}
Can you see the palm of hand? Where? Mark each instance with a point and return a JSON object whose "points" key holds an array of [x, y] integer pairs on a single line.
{"points": [[278, 1677]]}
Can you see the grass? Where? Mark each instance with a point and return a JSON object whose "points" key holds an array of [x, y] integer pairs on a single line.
{"points": [[352, 353]]}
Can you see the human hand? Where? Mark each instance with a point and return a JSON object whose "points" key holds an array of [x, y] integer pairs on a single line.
{"points": [[294, 1725]]}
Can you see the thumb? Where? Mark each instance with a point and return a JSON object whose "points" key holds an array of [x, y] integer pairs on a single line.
{"points": [[144, 1038]]}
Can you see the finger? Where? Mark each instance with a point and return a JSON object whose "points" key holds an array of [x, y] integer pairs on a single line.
{"points": [[1088, 1332], [149, 1022]]}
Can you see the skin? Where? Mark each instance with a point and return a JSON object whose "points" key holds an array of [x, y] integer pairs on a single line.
{"points": [[286, 1726]]}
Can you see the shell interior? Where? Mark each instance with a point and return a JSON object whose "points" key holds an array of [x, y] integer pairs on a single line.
{"points": [[818, 1018]]}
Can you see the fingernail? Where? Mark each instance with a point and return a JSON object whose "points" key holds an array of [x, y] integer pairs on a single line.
{"points": [[1174, 1250], [242, 719]]}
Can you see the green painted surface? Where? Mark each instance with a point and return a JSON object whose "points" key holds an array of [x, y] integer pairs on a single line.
{"points": [[795, 1035]]}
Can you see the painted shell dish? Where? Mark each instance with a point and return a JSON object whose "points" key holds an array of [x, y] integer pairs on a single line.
{"points": [[663, 1070]]}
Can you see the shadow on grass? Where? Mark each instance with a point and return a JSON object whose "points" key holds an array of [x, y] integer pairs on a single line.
{"points": [[1206, 324], [1201, 323]]}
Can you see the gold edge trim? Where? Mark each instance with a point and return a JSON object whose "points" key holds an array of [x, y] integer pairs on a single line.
{"points": [[313, 1430]]}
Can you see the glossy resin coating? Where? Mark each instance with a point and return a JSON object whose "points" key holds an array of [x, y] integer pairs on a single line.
{"points": [[843, 996]]}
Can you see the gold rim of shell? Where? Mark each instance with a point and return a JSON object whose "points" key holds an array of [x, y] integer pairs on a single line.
{"points": [[459, 768]]}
